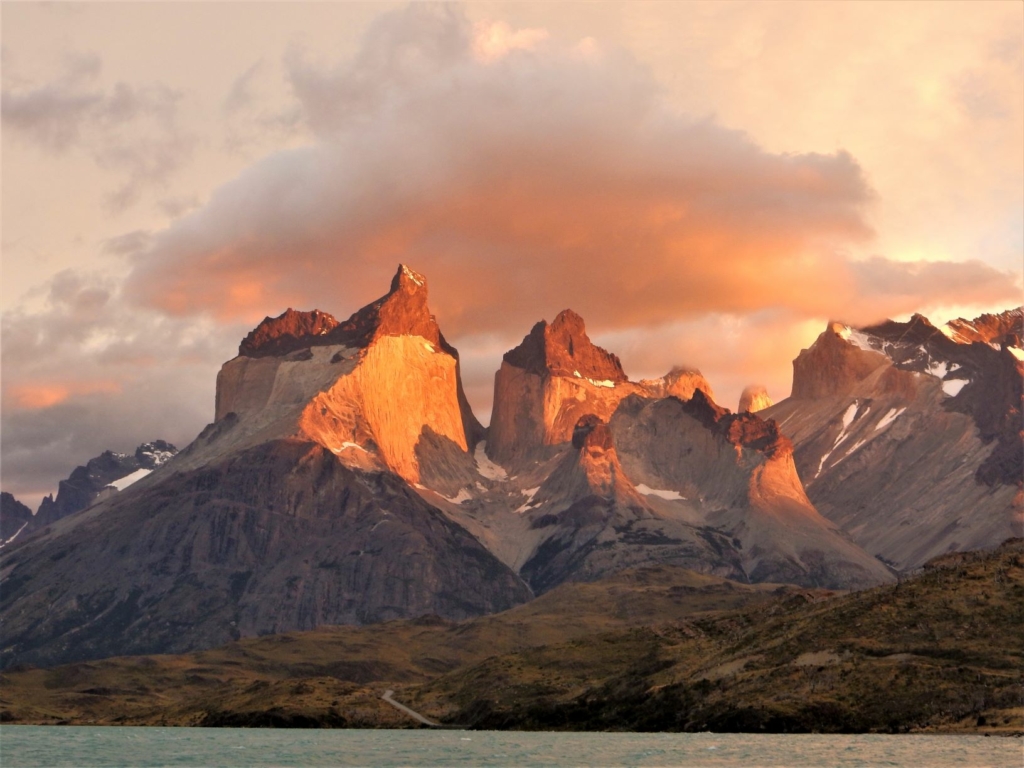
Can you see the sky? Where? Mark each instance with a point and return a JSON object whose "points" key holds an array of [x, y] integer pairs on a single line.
{"points": [[706, 183]]}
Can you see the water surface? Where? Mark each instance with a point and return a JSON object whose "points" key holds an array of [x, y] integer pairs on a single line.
{"points": [[90, 746]]}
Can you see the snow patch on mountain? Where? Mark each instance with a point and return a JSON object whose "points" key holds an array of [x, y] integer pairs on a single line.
{"points": [[127, 480], [8, 541], [347, 444], [953, 386], [670, 495], [889, 418], [459, 498], [849, 416], [857, 338], [485, 467], [529, 493]]}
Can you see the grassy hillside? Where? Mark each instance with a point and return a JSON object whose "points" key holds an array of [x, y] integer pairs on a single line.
{"points": [[335, 676], [651, 649], [942, 651]]}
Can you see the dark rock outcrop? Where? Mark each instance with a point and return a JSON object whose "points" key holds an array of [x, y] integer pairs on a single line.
{"points": [[562, 348], [1004, 328], [286, 333], [14, 517], [87, 483]]}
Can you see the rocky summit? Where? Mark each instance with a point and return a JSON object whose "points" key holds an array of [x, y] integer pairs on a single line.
{"points": [[345, 480], [99, 478], [909, 437]]}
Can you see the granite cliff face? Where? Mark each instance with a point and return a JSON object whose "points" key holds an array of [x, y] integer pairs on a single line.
{"points": [[307, 376], [345, 480], [555, 377], [909, 436], [716, 492], [298, 506]]}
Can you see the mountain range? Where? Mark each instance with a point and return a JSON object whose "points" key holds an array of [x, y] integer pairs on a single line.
{"points": [[345, 480]]}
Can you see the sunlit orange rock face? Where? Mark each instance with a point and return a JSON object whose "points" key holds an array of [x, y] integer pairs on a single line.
{"points": [[831, 366], [365, 388], [555, 377], [754, 399], [1006, 327]]}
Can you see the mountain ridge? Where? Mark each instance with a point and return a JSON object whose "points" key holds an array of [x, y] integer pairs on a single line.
{"points": [[345, 479]]}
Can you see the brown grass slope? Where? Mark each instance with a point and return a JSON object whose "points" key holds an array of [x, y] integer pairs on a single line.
{"points": [[941, 651], [334, 676], [651, 649]]}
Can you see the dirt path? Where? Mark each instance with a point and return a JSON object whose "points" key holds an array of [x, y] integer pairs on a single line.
{"points": [[409, 712]]}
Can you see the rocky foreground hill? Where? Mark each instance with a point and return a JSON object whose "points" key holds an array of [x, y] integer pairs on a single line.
{"points": [[345, 480], [654, 648]]}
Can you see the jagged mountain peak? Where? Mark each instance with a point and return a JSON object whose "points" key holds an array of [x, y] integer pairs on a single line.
{"points": [[563, 348], [285, 333], [1006, 327], [339, 386], [402, 311], [408, 280], [745, 430], [754, 398]]}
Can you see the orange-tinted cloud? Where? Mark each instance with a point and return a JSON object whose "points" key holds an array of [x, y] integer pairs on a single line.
{"points": [[540, 178], [34, 396]]}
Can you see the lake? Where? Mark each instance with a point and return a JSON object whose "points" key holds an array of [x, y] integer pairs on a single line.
{"points": [[87, 746]]}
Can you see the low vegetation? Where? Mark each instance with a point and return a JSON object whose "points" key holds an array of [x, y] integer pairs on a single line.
{"points": [[651, 649]]}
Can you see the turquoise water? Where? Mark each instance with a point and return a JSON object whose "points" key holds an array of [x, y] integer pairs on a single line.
{"points": [[84, 747]]}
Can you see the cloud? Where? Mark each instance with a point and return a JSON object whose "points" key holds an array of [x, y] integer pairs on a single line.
{"points": [[522, 174], [539, 178], [128, 128], [46, 394], [494, 40], [241, 94], [889, 288], [88, 373]]}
